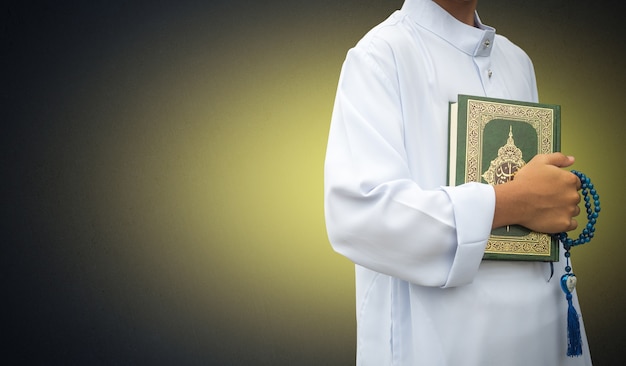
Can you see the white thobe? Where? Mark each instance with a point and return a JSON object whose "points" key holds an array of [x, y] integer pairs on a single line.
{"points": [[424, 294]]}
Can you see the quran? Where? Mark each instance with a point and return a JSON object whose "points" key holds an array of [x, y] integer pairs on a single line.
{"points": [[489, 141]]}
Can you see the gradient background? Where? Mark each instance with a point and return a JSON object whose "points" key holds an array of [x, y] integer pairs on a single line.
{"points": [[163, 164]]}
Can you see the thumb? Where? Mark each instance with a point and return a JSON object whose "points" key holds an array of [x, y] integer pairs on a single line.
{"points": [[560, 160]]}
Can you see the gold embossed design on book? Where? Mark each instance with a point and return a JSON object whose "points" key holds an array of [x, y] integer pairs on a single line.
{"points": [[479, 114]]}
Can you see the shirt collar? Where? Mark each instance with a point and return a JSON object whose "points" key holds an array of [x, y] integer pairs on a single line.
{"points": [[475, 41]]}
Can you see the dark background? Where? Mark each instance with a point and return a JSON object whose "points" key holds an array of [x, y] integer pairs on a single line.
{"points": [[162, 172]]}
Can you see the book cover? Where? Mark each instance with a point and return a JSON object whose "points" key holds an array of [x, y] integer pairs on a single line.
{"points": [[490, 139]]}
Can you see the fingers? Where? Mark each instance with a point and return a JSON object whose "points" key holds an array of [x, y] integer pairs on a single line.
{"points": [[578, 182], [562, 161], [573, 224], [559, 159]]}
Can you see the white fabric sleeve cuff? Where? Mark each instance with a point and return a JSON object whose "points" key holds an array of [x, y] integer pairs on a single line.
{"points": [[474, 206]]}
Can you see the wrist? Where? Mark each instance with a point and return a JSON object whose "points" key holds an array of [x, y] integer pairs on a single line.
{"points": [[509, 207]]}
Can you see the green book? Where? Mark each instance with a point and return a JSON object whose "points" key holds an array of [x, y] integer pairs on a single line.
{"points": [[490, 139]]}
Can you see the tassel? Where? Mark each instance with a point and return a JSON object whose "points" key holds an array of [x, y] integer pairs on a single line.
{"points": [[574, 340]]}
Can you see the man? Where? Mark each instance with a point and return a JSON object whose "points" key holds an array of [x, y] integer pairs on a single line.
{"points": [[424, 295]]}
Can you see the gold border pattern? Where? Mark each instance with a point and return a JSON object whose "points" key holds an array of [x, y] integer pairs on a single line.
{"points": [[479, 114]]}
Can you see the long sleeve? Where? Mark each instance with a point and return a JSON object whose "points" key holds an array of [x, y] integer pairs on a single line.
{"points": [[377, 214]]}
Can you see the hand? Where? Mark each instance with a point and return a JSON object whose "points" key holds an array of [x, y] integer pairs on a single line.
{"points": [[542, 196]]}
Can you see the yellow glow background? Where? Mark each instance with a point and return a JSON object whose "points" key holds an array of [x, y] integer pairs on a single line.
{"points": [[165, 170]]}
